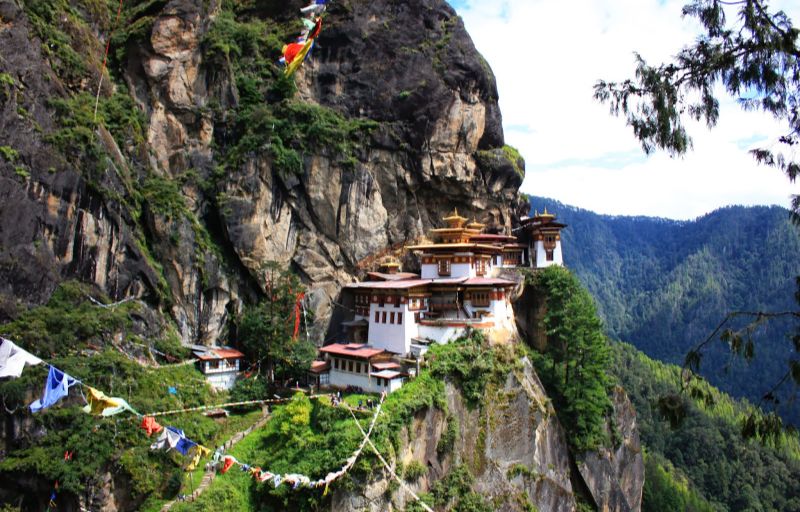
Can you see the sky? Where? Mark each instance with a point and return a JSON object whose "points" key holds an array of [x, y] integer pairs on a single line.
{"points": [[547, 56]]}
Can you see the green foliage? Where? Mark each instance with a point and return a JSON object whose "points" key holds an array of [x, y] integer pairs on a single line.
{"points": [[123, 118], [665, 286], [573, 368], [226, 494], [7, 81], [414, 470], [515, 158], [68, 322], [472, 363], [266, 120], [755, 58], [266, 330], [164, 197], [170, 345], [290, 129], [731, 473], [519, 470], [63, 35], [666, 490], [9, 154], [75, 136], [314, 438], [454, 492], [254, 388], [448, 438], [97, 443]]}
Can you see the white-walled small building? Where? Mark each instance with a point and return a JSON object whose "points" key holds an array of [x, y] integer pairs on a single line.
{"points": [[221, 366], [362, 366], [544, 234]]}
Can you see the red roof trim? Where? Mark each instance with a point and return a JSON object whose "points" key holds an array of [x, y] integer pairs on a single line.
{"points": [[352, 350]]}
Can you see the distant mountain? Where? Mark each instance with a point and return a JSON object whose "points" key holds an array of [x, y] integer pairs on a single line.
{"points": [[665, 285]]}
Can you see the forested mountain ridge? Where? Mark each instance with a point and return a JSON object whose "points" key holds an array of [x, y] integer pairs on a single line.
{"points": [[665, 285]]}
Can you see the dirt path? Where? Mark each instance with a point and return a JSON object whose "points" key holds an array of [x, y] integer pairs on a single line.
{"points": [[209, 475]]}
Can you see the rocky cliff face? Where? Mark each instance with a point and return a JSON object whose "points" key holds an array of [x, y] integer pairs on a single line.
{"points": [[517, 451], [92, 200]]}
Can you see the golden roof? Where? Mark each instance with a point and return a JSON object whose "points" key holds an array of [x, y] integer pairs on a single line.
{"points": [[454, 216], [545, 214], [474, 224]]}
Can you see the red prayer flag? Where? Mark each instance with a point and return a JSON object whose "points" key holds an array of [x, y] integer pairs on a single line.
{"points": [[317, 29], [150, 426], [297, 304], [291, 50], [227, 465]]}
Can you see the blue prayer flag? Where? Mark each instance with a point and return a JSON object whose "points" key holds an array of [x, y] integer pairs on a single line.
{"points": [[56, 388]]}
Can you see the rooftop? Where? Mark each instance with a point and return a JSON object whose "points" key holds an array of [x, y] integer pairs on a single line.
{"points": [[390, 285], [390, 365], [488, 281], [220, 353], [320, 366], [357, 350], [387, 374], [382, 276]]}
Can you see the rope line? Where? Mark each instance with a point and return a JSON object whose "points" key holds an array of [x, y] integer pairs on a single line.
{"points": [[105, 60], [298, 479], [386, 465], [229, 404]]}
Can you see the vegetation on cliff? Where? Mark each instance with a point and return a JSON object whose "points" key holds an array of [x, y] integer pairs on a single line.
{"points": [[266, 331], [573, 366]]}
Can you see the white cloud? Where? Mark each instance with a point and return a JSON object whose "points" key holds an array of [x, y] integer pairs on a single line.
{"points": [[547, 55]]}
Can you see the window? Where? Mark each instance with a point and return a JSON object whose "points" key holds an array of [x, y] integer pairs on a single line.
{"points": [[358, 367], [417, 317], [377, 317], [391, 318], [550, 255], [381, 300], [383, 317], [480, 267], [349, 366], [336, 364], [444, 267], [480, 298], [399, 318]]}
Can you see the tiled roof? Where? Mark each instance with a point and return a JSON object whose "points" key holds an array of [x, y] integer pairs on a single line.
{"points": [[382, 276], [449, 280], [385, 366], [356, 350], [489, 236], [220, 353], [320, 366], [488, 281], [387, 374], [390, 285]]}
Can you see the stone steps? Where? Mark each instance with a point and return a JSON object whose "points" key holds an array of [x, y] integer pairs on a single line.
{"points": [[210, 474]]}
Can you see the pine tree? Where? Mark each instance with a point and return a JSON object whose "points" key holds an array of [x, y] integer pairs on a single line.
{"points": [[266, 330], [754, 55], [578, 356]]}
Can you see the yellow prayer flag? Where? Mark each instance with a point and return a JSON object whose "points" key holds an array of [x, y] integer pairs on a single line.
{"points": [[198, 452], [99, 402]]}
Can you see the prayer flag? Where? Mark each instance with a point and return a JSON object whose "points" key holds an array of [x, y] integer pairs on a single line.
{"points": [[56, 387], [13, 359], [102, 405], [150, 425]]}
